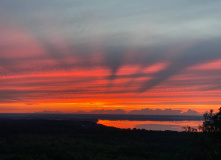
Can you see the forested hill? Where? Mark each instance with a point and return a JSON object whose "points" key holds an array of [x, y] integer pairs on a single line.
{"points": [[43, 139]]}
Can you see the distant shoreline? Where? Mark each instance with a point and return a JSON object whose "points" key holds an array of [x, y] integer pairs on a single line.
{"points": [[100, 116]]}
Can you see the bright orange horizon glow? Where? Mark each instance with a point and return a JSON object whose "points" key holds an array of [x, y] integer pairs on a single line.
{"points": [[89, 89], [91, 106]]}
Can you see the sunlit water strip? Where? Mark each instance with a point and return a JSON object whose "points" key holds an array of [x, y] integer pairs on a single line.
{"points": [[150, 125]]}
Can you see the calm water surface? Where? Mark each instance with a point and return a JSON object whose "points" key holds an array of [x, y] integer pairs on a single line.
{"points": [[150, 125]]}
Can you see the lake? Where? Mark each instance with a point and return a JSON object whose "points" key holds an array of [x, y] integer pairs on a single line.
{"points": [[151, 125], [148, 122]]}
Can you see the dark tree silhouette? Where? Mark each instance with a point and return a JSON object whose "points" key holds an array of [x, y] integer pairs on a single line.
{"points": [[208, 139], [212, 122], [211, 134]]}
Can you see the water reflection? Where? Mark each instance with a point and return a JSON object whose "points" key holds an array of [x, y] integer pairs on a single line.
{"points": [[150, 125]]}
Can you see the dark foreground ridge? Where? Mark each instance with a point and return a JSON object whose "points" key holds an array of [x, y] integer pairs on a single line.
{"points": [[101, 116], [78, 139]]}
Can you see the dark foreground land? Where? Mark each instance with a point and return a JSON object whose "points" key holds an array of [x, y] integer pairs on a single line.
{"points": [[43, 139]]}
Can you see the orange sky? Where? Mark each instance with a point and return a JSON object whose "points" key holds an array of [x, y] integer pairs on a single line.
{"points": [[89, 89], [72, 59], [32, 81]]}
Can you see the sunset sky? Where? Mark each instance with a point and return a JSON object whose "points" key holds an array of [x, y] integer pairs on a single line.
{"points": [[78, 55]]}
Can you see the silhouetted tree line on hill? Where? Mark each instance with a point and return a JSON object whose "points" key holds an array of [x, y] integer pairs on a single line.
{"points": [[85, 140], [45, 139]]}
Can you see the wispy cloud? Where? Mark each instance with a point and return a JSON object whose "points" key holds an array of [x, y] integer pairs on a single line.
{"points": [[145, 111]]}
